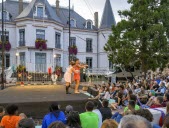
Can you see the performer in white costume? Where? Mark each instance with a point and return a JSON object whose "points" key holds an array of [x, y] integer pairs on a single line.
{"points": [[68, 76]]}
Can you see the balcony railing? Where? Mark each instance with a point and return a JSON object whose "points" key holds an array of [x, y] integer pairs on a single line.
{"points": [[58, 46], [21, 43]]}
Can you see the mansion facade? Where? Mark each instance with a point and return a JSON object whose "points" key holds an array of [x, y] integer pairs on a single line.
{"points": [[39, 35]]}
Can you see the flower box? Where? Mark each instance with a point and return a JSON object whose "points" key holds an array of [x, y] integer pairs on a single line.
{"points": [[7, 46], [73, 50], [40, 44]]}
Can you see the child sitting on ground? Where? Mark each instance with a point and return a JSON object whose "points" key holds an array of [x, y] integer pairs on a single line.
{"points": [[118, 100]]}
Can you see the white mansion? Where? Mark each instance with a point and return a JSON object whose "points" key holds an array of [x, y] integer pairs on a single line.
{"points": [[26, 22]]}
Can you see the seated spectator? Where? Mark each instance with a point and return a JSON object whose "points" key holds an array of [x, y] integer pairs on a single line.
{"points": [[166, 122], [11, 119], [134, 98], [73, 120], [167, 109], [26, 123], [131, 107], [2, 112], [118, 101], [142, 95], [165, 99], [138, 88], [161, 89], [109, 123], [55, 114], [125, 100], [133, 121], [105, 110], [57, 124], [68, 109], [97, 111], [107, 94], [147, 115], [157, 102], [155, 86], [22, 115], [89, 119]]}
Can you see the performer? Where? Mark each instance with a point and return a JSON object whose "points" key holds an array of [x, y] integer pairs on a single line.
{"points": [[77, 68], [68, 76]]}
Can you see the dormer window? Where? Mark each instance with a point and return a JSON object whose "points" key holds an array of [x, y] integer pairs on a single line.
{"points": [[40, 10], [72, 23], [5, 15], [89, 24]]}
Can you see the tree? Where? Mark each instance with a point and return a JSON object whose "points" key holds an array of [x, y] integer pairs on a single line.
{"points": [[141, 37]]}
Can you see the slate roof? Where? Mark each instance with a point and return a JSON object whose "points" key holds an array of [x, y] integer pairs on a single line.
{"points": [[107, 17]]}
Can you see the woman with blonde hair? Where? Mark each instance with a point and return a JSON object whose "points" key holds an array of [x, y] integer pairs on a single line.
{"points": [[109, 123], [68, 76]]}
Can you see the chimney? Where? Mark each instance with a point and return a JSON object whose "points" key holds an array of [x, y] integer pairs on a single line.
{"points": [[57, 8], [96, 19], [20, 6]]}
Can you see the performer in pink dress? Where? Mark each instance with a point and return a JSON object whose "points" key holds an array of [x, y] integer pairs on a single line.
{"points": [[68, 76], [77, 68]]}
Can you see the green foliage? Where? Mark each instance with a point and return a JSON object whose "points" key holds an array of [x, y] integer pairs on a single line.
{"points": [[141, 38]]}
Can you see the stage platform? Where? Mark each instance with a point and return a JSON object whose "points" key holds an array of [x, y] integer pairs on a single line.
{"points": [[34, 101]]}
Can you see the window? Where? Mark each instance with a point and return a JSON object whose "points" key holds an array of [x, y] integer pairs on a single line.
{"points": [[6, 36], [7, 60], [57, 60], [89, 25], [40, 12], [89, 61], [40, 62], [89, 45], [22, 37], [57, 40], [72, 23], [72, 41], [5, 15], [40, 34], [110, 65], [22, 58]]}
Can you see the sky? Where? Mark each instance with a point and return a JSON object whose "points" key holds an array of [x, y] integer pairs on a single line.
{"points": [[86, 8]]}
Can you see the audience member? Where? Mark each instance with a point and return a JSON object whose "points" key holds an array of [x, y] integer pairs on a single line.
{"points": [[68, 109], [26, 123], [105, 110], [73, 120], [89, 119], [57, 124], [118, 101], [109, 123], [157, 102], [2, 112], [11, 119], [165, 99], [55, 114], [147, 115], [134, 121], [97, 111]]}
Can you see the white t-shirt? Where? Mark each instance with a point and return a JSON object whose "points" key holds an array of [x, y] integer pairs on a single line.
{"points": [[99, 115], [107, 96]]}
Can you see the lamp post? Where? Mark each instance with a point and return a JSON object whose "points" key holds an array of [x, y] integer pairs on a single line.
{"points": [[3, 73], [69, 31]]}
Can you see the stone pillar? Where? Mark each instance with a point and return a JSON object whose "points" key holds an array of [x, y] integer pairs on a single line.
{"points": [[57, 7], [20, 6], [96, 19]]}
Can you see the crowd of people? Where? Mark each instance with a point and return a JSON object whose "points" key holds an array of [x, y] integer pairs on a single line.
{"points": [[123, 105]]}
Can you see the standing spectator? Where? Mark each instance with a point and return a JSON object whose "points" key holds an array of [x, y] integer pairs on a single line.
{"points": [[158, 102], [2, 112], [11, 119], [97, 111], [89, 119], [73, 120], [109, 123], [26, 123], [105, 110], [55, 114]]}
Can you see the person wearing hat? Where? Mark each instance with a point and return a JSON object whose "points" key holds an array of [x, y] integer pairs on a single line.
{"points": [[55, 114], [26, 123]]}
